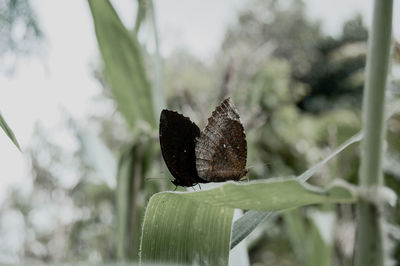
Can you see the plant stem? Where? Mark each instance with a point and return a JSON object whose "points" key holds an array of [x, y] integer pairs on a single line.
{"points": [[158, 83], [140, 14], [369, 250]]}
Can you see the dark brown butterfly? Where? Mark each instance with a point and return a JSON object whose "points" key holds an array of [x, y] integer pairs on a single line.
{"points": [[217, 154]]}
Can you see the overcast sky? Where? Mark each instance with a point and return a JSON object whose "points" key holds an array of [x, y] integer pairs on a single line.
{"points": [[62, 79]]}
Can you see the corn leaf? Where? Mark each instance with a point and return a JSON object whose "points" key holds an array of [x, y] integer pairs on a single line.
{"points": [[124, 66], [195, 227]]}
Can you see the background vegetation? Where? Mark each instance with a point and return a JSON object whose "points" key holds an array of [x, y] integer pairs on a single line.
{"points": [[299, 95]]}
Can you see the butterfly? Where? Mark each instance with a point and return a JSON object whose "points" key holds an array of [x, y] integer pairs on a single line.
{"points": [[216, 154]]}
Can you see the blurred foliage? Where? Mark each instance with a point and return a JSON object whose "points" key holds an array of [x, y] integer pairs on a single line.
{"points": [[298, 93], [328, 68], [336, 75], [20, 33]]}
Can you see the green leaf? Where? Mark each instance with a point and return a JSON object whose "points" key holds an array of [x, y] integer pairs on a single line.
{"points": [[180, 231], [194, 227], [270, 195], [140, 15], [124, 66], [8, 131], [248, 224]]}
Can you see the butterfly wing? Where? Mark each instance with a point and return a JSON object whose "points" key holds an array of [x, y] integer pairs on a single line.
{"points": [[221, 149], [177, 141]]}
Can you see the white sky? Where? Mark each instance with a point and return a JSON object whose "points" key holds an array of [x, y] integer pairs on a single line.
{"points": [[41, 88]]}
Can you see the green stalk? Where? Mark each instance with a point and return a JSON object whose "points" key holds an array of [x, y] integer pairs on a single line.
{"points": [[369, 245], [158, 84], [140, 14]]}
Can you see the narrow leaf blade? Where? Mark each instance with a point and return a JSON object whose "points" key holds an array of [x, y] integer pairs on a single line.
{"points": [[8, 131], [247, 223], [124, 66]]}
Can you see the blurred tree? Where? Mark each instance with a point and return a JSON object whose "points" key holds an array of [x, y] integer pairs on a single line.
{"points": [[189, 83], [68, 214], [328, 68], [283, 27], [336, 75], [20, 33]]}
